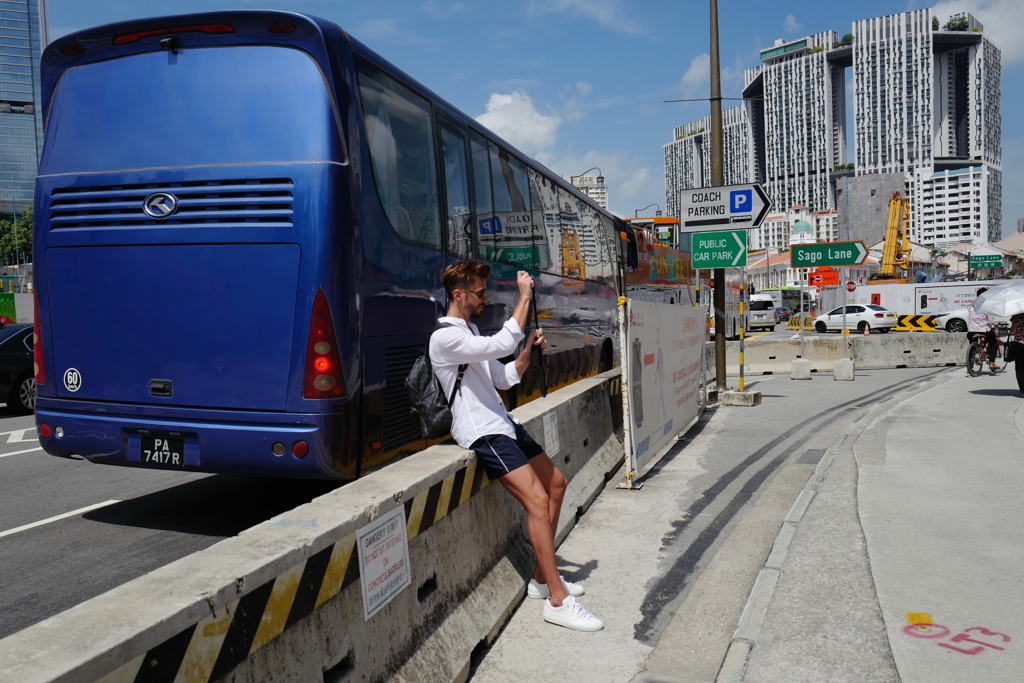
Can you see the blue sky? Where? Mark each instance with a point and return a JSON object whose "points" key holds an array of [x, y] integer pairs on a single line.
{"points": [[581, 83]]}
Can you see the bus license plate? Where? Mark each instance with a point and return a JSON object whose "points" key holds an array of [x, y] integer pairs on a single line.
{"points": [[163, 450]]}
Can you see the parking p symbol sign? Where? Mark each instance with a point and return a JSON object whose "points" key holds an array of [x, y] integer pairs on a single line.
{"points": [[741, 201]]}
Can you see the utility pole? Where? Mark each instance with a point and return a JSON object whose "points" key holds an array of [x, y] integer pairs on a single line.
{"points": [[717, 180]]}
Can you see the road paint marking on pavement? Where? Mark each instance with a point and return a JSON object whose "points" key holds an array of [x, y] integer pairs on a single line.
{"points": [[758, 335], [58, 517], [918, 618], [19, 436], [14, 431], [29, 450], [931, 631]]}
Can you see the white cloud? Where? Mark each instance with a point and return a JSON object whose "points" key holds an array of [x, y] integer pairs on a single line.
{"points": [[629, 181], [573, 97], [1003, 21], [791, 25], [697, 76], [605, 12], [515, 118], [584, 88]]}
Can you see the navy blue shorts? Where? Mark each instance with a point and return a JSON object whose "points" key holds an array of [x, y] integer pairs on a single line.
{"points": [[500, 454]]}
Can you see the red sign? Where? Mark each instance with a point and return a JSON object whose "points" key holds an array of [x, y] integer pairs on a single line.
{"points": [[851, 286], [823, 276]]}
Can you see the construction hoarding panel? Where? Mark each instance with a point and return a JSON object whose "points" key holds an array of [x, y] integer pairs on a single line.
{"points": [[662, 348]]}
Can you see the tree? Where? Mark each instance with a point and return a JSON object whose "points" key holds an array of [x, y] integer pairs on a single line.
{"points": [[956, 24], [20, 237], [847, 39], [935, 23]]}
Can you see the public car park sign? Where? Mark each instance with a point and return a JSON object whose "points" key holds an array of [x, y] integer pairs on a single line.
{"points": [[828, 254], [726, 249]]}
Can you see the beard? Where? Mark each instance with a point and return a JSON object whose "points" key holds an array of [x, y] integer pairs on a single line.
{"points": [[477, 312]]}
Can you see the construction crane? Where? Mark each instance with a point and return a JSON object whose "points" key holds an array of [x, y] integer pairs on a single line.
{"points": [[896, 249]]}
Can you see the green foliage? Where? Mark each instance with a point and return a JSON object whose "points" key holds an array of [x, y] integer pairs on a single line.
{"points": [[956, 24], [842, 167], [22, 236], [817, 48], [935, 23], [847, 39]]}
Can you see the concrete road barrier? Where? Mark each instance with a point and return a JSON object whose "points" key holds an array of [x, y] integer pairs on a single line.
{"points": [[774, 356], [282, 601]]}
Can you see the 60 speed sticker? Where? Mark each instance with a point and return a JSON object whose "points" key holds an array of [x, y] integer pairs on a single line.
{"points": [[72, 380]]}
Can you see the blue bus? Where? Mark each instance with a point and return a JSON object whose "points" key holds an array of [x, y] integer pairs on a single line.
{"points": [[241, 222]]}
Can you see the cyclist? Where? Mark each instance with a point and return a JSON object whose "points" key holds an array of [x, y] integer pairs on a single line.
{"points": [[981, 325]]}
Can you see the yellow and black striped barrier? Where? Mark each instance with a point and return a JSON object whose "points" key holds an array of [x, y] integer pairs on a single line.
{"points": [[211, 648], [796, 320], [917, 323]]}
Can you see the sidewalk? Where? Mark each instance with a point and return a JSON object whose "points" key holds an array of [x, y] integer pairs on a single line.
{"points": [[919, 521]]}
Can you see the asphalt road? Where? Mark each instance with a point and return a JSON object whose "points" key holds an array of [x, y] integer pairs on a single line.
{"points": [[71, 530], [782, 333]]}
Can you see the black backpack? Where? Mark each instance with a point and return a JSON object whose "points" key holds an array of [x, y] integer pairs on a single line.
{"points": [[430, 409]]}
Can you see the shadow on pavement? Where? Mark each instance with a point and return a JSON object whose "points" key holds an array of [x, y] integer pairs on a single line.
{"points": [[1011, 393], [221, 505]]}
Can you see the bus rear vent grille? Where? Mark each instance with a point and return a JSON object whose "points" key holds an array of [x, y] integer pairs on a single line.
{"points": [[399, 429], [266, 202]]}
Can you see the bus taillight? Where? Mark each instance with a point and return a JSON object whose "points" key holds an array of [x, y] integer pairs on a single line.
{"points": [[37, 344], [323, 364]]}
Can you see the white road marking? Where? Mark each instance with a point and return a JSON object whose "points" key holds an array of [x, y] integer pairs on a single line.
{"points": [[57, 518], [14, 432], [19, 436], [30, 450]]}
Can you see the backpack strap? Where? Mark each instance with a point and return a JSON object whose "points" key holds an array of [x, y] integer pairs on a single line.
{"points": [[462, 367]]}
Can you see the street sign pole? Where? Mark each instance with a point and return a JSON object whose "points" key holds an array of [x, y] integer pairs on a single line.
{"points": [[717, 180], [846, 300]]}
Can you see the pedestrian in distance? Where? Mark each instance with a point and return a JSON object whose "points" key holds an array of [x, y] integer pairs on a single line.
{"points": [[981, 325], [1017, 348], [502, 446]]}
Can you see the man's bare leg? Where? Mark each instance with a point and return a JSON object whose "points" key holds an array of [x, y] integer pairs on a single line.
{"points": [[554, 483], [526, 487]]}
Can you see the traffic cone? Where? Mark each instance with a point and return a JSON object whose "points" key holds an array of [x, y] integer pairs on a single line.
{"points": [[867, 331], [910, 331]]}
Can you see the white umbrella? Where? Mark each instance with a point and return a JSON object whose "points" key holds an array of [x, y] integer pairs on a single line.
{"points": [[1003, 301]]}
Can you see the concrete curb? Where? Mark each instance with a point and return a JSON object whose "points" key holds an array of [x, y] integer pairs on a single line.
{"points": [[283, 601], [745, 636]]}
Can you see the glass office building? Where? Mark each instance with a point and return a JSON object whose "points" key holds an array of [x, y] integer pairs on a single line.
{"points": [[23, 35]]}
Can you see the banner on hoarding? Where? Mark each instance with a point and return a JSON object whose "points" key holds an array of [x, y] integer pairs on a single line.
{"points": [[662, 348]]}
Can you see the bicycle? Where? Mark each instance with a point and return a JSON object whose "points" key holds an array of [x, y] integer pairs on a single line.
{"points": [[977, 353]]}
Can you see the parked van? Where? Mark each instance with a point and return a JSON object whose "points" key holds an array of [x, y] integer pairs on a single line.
{"points": [[762, 312]]}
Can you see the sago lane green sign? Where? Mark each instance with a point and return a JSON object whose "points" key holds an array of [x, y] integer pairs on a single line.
{"points": [[986, 261], [726, 249], [828, 254]]}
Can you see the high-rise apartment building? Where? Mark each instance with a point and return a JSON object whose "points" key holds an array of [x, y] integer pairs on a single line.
{"points": [[593, 186], [688, 156], [23, 35], [926, 104], [803, 117]]}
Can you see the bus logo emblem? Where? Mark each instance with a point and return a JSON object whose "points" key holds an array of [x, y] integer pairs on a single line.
{"points": [[160, 205]]}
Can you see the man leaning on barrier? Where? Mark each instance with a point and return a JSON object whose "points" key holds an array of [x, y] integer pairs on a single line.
{"points": [[481, 424]]}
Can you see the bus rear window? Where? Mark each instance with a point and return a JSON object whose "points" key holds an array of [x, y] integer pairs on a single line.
{"points": [[224, 105]]}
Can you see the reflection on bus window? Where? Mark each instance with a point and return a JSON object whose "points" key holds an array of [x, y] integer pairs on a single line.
{"points": [[508, 235], [453, 154], [399, 134]]}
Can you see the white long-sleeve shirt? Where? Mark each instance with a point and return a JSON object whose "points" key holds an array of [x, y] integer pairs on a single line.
{"points": [[979, 322], [477, 410]]}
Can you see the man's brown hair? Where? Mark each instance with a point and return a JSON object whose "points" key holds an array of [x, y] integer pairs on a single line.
{"points": [[460, 275]]}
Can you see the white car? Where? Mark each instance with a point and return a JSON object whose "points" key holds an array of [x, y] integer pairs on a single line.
{"points": [[952, 321], [858, 317]]}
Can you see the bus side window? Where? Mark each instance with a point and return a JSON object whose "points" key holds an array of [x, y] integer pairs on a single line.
{"points": [[544, 197], [483, 203], [399, 132], [573, 264], [453, 156], [509, 236]]}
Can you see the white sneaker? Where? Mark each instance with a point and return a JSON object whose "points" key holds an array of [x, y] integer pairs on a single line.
{"points": [[571, 615], [539, 591]]}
